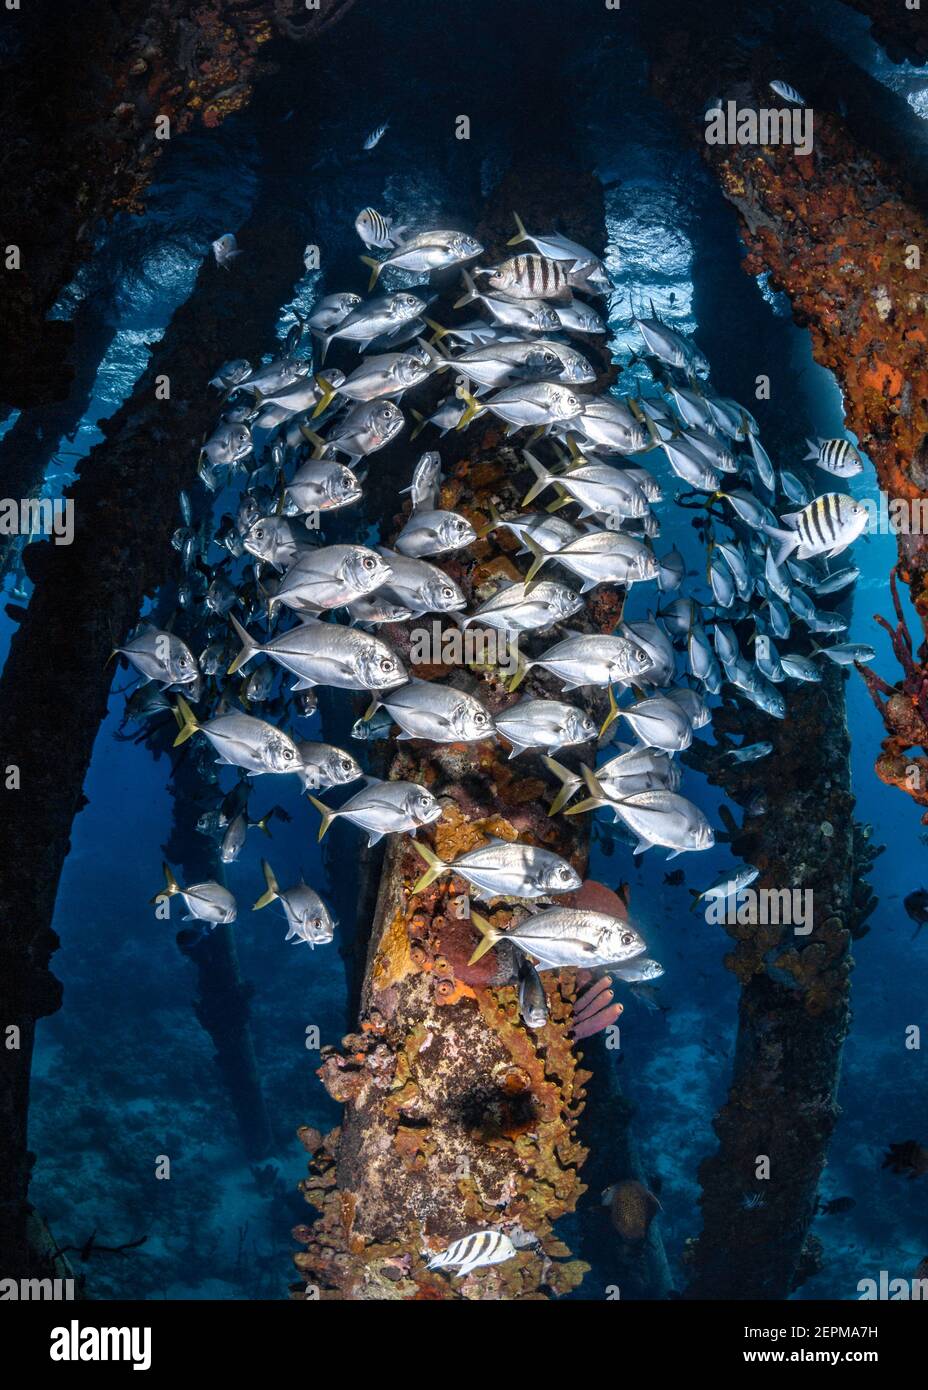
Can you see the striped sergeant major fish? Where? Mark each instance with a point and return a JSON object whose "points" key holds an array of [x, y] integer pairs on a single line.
{"points": [[828, 525], [788, 93], [561, 248], [532, 277], [376, 136], [837, 456], [474, 1251], [376, 230]]}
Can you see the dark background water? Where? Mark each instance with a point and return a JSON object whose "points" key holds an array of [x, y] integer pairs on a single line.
{"points": [[123, 1072]]}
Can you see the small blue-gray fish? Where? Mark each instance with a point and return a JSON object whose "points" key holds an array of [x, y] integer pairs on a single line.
{"points": [[376, 136], [847, 653], [750, 752], [788, 93], [225, 249]]}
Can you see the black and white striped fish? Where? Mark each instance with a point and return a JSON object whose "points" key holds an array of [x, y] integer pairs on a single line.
{"points": [[376, 135], [532, 277], [826, 526], [836, 456], [376, 230], [788, 93], [473, 1251]]}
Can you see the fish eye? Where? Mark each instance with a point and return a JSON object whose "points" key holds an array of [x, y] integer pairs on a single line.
{"points": [[565, 873], [288, 754], [447, 591], [480, 717], [346, 765], [368, 562], [627, 938], [386, 664], [259, 534]]}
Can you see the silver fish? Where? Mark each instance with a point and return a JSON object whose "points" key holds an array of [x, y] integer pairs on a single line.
{"points": [[370, 610], [231, 374], [241, 740], [599, 557], [610, 424], [528, 316], [322, 765], [331, 311], [330, 577], [384, 808], [750, 752], [533, 1001], [847, 653], [228, 444], [801, 668], [657, 817], [788, 93], [728, 882], [659, 722], [421, 587], [327, 654], [322, 486], [373, 317], [426, 709], [434, 533], [503, 869], [560, 937], [160, 656], [516, 608], [549, 724], [426, 252], [591, 660], [529, 403], [671, 347], [638, 972], [426, 480], [308, 918], [365, 429], [840, 579], [671, 569], [577, 317], [598, 487], [271, 539], [205, 902]]}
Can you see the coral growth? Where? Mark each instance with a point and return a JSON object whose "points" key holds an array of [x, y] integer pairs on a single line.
{"points": [[838, 231]]}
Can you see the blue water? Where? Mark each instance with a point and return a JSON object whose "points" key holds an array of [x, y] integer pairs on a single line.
{"points": [[123, 1073]]}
